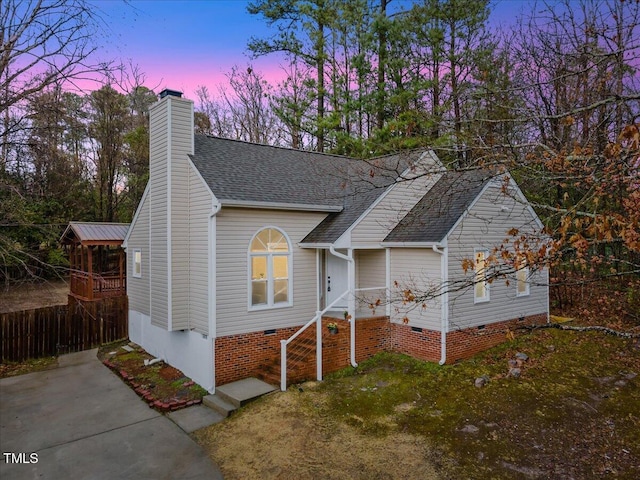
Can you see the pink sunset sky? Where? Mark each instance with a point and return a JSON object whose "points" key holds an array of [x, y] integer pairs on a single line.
{"points": [[184, 44]]}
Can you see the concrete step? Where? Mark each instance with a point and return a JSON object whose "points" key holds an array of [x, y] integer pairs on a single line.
{"points": [[243, 391], [234, 395], [218, 405]]}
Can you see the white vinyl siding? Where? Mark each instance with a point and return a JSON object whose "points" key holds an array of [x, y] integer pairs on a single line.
{"points": [[181, 198], [371, 274], [384, 216], [174, 291], [485, 227], [171, 131], [158, 205], [235, 228], [370, 268], [200, 205], [138, 240], [416, 270]]}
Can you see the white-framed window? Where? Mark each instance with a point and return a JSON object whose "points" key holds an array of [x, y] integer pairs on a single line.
{"points": [[137, 263], [480, 282], [269, 269], [522, 278]]}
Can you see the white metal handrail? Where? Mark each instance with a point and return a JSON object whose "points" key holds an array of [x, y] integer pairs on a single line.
{"points": [[284, 343]]}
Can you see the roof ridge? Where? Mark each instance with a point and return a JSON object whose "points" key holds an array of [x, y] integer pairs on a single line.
{"points": [[237, 140], [399, 152], [95, 222]]}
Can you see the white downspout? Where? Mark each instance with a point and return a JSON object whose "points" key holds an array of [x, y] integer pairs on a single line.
{"points": [[444, 304], [215, 209], [351, 300], [387, 260]]}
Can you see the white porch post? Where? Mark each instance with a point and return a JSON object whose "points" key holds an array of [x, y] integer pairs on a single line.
{"points": [[283, 365], [319, 345], [318, 315], [351, 301]]}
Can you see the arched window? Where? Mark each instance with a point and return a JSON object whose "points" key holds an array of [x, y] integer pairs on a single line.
{"points": [[269, 269]]}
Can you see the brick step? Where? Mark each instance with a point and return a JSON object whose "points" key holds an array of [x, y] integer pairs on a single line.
{"points": [[269, 377], [292, 367], [297, 354], [305, 341], [300, 355], [271, 371]]}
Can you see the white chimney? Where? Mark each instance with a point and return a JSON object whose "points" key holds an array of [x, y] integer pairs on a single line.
{"points": [[170, 143]]}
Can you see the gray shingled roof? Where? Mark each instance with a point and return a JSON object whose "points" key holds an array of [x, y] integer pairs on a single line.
{"points": [[238, 171], [95, 232], [431, 219], [332, 227]]}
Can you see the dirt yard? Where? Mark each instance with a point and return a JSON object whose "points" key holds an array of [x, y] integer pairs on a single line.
{"points": [[283, 437], [33, 295]]}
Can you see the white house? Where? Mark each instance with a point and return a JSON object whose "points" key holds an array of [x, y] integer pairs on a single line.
{"points": [[236, 246]]}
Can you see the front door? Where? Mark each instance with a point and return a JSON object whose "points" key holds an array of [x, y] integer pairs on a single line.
{"points": [[336, 281]]}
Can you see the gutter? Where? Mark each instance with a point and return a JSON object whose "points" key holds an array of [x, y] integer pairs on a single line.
{"points": [[216, 209], [351, 300], [444, 313], [282, 206]]}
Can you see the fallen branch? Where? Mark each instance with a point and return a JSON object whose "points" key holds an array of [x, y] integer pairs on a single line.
{"points": [[581, 402], [596, 328]]}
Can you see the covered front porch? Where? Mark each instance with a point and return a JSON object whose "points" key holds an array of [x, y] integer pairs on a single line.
{"points": [[354, 283], [351, 285]]}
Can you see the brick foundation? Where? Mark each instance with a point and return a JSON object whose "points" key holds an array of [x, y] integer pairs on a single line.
{"points": [[245, 355], [372, 336], [240, 356], [461, 344]]}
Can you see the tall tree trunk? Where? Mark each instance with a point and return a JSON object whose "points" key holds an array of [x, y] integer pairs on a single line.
{"points": [[455, 94], [320, 51], [382, 61]]}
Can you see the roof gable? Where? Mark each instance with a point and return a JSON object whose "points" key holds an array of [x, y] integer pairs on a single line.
{"points": [[248, 174], [433, 217]]}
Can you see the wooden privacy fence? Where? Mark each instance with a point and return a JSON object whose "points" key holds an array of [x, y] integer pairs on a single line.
{"points": [[50, 331]]}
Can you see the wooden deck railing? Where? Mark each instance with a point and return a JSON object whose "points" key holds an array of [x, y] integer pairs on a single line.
{"points": [[93, 287]]}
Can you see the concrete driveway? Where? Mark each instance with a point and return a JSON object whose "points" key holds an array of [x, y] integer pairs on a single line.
{"points": [[80, 421]]}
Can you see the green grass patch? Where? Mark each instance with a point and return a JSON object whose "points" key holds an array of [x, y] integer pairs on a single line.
{"points": [[574, 411]]}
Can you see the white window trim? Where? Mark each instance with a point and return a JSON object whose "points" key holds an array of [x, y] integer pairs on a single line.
{"points": [[487, 296], [523, 271], [137, 252], [270, 280]]}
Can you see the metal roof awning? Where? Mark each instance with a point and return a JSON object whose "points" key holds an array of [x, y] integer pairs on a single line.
{"points": [[94, 233]]}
